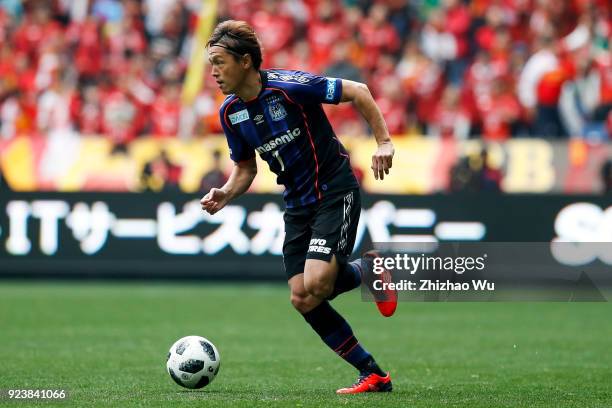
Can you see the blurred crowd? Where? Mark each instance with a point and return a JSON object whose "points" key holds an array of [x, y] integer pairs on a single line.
{"points": [[94, 66], [449, 68]]}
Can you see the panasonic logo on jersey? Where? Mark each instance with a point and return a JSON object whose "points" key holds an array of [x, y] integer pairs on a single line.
{"points": [[279, 141]]}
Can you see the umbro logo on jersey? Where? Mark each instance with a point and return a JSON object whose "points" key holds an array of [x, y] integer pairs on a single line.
{"points": [[258, 119]]}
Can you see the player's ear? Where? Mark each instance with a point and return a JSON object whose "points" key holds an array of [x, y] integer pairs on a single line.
{"points": [[247, 61]]}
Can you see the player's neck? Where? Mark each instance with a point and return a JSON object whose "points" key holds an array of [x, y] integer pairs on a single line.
{"points": [[251, 86]]}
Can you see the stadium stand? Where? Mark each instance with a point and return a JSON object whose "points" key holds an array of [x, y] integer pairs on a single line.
{"points": [[488, 68]]}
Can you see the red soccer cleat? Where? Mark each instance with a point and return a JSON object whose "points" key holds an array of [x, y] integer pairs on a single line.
{"points": [[369, 383], [386, 300]]}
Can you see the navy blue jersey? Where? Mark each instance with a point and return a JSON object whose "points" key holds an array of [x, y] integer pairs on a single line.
{"points": [[287, 126]]}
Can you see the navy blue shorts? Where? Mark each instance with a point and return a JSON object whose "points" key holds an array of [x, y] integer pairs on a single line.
{"points": [[321, 230]]}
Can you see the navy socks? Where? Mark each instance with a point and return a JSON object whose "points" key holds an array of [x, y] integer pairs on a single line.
{"points": [[338, 335], [349, 277]]}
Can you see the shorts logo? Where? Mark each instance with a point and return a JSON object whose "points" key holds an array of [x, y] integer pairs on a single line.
{"points": [[318, 245], [331, 89], [346, 221], [277, 111], [258, 119], [239, 116]]}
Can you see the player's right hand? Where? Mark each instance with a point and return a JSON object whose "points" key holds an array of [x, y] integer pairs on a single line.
{"points": [[382, 160], [214, 201]]}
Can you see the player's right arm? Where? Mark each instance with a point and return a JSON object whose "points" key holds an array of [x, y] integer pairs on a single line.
{"points": [[317, 89], [362, 99], [239, 181]]}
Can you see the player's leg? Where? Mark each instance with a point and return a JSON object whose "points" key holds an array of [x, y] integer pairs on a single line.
{"points": [[320, 277], [333, 235], [309, 298], [334, 231], [309, 291], [335, 222], [348, 277], [301, 300], [327, 323]]}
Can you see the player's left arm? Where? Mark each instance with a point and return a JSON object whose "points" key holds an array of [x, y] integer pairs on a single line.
{"points": [[359, 94]]}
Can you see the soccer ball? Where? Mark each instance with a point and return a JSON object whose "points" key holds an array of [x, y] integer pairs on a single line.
{"points": [[193, 362]]}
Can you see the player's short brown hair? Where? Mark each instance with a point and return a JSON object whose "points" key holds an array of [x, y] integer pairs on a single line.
{"points": [[238, 38]]}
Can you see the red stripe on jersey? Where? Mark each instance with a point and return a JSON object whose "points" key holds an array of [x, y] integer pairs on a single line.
{"points": [[314, 152], [225, 114], [339, 152]]}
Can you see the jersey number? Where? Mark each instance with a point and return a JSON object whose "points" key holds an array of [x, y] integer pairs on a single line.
{"points": [[280, 160]]}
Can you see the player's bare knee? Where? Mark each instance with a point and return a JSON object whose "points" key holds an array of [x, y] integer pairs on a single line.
{"points": [[297, 300], [303, 303], [319, 278], [318, 287]]}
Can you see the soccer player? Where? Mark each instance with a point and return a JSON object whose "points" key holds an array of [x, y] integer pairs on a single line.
{"points": [[278, 114]]}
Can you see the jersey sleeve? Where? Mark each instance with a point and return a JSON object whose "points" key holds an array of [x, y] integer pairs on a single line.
{"points": [[238, 148], [305, 87]]}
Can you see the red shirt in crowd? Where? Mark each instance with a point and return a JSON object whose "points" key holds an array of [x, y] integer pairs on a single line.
{"points": [[498, 115], [427, 91], [485, 37], [394, 113], [551, 83], [165, 114], [321, 38], [603, 65], [89, 116], [458, 22], [377, 39], [88, 56], [445, 118], [121, 120], [30, 36], [275, 31]]}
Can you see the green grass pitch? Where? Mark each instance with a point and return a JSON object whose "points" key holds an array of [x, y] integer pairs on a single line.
{"points": [[107, 344]]}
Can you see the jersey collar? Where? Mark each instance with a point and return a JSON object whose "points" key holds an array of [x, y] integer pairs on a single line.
{"points": [[263, 74]]}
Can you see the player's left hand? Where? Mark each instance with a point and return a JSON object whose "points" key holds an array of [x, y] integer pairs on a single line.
{"points": [[382, 160], [214, 201]]}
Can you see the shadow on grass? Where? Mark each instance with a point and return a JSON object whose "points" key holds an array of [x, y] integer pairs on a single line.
{"points": [[267, 394]]}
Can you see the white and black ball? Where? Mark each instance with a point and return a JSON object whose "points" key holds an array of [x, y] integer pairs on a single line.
{"points": [[193, 362]]}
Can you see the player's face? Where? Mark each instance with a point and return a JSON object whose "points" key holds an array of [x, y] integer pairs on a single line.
{"points": [[226, 69]]}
